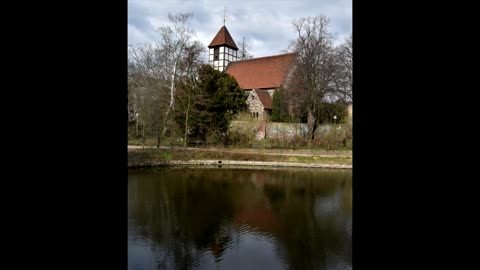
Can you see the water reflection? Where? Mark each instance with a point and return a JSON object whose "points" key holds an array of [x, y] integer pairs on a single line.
{"points": [[239, 219]]}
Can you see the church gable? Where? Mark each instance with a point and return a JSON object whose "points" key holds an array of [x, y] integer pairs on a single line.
{"points": [[265, 98]]}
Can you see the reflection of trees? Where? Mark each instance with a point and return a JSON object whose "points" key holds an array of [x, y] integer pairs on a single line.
{"points": [[189, 212], [306, 242], [184, 214]]}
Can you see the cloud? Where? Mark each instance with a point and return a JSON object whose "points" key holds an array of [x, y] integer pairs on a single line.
{"points": [[267, 24]]}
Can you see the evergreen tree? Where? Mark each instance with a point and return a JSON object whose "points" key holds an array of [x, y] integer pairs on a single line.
{"points": [[279, 107], [219, 98]]}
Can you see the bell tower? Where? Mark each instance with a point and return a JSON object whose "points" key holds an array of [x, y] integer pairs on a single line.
{"points": [[222, 50]]}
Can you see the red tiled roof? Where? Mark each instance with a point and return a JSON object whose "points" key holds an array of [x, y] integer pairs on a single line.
{"points": [[265, 98], [262, 72], [223, 37]]}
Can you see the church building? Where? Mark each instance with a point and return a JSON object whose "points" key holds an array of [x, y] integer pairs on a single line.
{"points": [[260, 77]]}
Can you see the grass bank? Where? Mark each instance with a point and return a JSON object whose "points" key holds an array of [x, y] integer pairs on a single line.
{"points": [[146, 157]]}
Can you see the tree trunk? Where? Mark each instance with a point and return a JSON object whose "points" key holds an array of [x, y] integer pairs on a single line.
{"points": [[311, 124], [186, 121], [158, 138], [172, 91], [143, 134], [136, 128]]}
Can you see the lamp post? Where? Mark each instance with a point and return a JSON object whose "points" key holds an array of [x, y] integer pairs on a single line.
{"points": [[334, 128], [136, 125]]}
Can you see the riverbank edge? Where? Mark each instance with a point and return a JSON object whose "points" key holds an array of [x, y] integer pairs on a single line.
{"points": [[286, 152], [221, 163]]}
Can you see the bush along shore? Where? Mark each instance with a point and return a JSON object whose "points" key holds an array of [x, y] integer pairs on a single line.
{"points": [[179, 156]]}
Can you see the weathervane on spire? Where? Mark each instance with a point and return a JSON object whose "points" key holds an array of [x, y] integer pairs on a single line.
{"points": [[224, 16]]}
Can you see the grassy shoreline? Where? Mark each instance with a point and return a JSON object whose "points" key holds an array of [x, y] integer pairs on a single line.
{"points": [[138, 157]]}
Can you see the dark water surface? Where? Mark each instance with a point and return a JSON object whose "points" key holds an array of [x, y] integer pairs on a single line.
{"points": [[207, 218]]}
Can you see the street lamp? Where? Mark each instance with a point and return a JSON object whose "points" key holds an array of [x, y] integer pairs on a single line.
{"points": [[334, 129], [136, 124]]}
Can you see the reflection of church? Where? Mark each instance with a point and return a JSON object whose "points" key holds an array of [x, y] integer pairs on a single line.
{"points": [[260, 77]]}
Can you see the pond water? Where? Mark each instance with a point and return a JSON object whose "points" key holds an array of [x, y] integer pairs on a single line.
{"points": [[234, 218]]}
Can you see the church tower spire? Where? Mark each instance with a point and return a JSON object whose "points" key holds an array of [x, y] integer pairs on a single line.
{"points": [[222, 50]]}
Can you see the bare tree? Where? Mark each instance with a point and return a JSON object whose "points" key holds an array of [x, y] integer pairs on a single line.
{"points": [[315, 68], [174, 39], [244, 47], [147, 87], [155, 71], [188, 95], [343, 78]]}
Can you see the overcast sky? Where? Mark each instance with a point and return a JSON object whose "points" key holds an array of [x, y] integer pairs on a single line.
{"points": [[266, 24]]}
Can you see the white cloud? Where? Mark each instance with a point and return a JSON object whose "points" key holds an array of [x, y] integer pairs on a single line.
{"points": [[136, 36], [267, 24]]}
